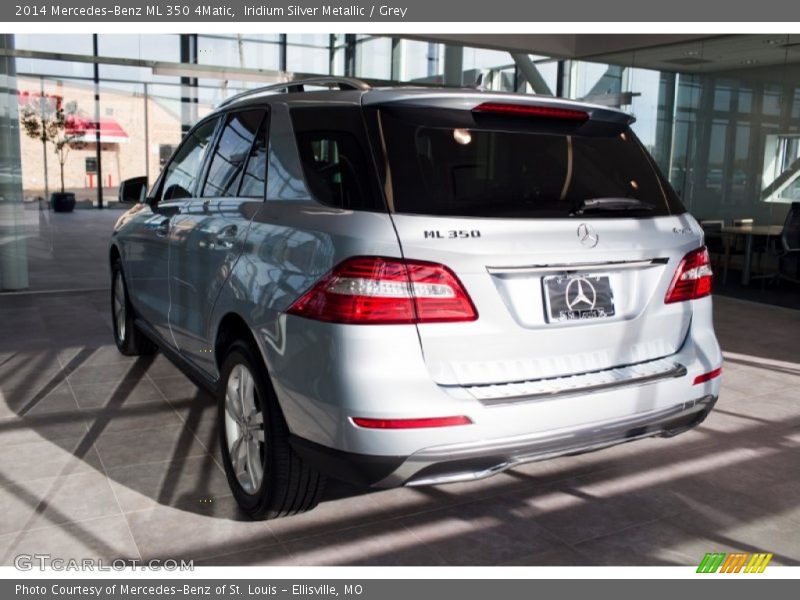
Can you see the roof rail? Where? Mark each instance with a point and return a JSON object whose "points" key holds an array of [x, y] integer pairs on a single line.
{"points": [[343, 83]]}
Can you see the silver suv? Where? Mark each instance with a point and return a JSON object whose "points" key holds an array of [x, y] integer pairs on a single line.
{"points": [[416, 286]]}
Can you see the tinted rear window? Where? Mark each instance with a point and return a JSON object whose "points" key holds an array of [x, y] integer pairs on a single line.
{"points": [[334, 151], [485, 171]]}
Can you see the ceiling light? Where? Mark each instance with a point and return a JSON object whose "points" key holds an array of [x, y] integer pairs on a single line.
{"points": [[749, 61], [692, 53]]}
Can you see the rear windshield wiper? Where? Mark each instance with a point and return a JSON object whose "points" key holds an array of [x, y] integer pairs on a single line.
{"points": [[601, 204]]}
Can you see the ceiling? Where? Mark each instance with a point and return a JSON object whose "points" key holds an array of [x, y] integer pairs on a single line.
{"points": [[669, 52], [716, 54]]}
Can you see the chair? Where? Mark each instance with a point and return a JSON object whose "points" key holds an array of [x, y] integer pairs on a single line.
{"points": [[787, 246]]}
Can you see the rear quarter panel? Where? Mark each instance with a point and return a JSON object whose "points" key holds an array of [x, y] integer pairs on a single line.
{"points": [[291, 245]]}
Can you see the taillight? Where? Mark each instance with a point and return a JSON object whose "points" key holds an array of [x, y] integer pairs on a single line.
{"points": [[692, 278], [422, 423], [376, 290], [526, 110]]}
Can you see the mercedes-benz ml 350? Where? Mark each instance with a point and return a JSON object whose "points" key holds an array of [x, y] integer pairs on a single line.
{"points": [[416, 286]]}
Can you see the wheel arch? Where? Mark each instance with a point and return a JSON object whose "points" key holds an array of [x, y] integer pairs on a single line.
{"points": [[113, 254], [231, 327]]}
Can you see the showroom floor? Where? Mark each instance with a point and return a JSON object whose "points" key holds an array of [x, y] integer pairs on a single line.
{"points": [[64, 248], [106, 456]]}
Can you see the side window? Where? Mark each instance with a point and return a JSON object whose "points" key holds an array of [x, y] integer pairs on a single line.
{"points": [[334, 166], [334, 153], [231, 153], [254, 180], [184, 169]]}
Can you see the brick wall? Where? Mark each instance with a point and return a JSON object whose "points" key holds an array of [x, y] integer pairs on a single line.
{"points": [[119, 160]]}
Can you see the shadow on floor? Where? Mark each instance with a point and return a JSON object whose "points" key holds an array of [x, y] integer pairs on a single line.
{"points": [[151, 436]]}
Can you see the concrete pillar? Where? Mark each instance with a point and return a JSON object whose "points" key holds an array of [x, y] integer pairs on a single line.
{"points": [[13, 243], [453, 65], [189, 114]]}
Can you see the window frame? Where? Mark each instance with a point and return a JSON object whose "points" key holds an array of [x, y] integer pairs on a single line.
{"points": [[158, 188], [225, 117], [775, 150]]}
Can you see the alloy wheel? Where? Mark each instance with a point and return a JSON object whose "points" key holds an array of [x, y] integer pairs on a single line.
{"points": [[120, 315], [244, 429]]}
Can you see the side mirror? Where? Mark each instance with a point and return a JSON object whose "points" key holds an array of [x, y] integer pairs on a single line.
{"points": [[132, 191]]}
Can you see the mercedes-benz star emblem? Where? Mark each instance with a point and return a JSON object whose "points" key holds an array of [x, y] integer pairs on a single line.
{"points": [[576, 294], [587, 236]]}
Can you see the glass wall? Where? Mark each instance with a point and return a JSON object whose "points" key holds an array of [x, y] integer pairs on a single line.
{"points": [[308, 53], [140, 123], [13, 217], [419, 61], [145, 108], [250, 51], [373, 57], [729, 139]]}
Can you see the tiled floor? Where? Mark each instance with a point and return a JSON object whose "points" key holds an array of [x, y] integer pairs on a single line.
{"points": [[106, 456], [63, 248]]}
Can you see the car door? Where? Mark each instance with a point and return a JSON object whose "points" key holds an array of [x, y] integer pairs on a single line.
{"points": [[149, 248], [210, 229]]}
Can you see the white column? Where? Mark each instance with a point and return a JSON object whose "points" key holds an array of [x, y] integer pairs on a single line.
{"points": [[13, 243]]}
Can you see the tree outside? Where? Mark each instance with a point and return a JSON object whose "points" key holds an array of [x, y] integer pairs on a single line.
{"points": [[49, 119]]}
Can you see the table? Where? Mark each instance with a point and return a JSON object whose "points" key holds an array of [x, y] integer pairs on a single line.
{"points": [[749, 231]]}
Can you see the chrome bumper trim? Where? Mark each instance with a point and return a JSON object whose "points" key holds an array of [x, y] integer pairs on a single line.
{"points": [[510, 452], [586, 383], [576, 267]]}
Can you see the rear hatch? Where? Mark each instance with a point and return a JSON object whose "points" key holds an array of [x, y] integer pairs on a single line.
{"points": [[554, 218]]}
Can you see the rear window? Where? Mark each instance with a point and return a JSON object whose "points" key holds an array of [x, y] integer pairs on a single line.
{"points": [[480, 171]]}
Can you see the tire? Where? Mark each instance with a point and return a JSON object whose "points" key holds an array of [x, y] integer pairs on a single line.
{"points": [[270, 480], [130, 341]]}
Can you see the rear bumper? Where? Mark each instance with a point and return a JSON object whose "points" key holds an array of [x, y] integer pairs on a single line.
{"points": [[335, 373], [464, 462], [469, 461]]}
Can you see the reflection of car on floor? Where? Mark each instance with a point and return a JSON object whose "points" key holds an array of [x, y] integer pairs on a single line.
{"points": [[414, 286]]}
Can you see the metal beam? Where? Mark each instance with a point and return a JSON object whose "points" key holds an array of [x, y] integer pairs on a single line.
{"points": [[98, 146], [531, 74], [164, 67]]}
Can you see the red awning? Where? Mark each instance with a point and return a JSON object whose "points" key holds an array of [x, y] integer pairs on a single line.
{"points": [[111, 132]]}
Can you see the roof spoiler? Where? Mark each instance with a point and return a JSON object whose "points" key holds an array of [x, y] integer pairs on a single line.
{"points": [[472, 100]]}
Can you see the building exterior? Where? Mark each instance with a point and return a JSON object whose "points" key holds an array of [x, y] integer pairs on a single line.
{"points": [[137, 135]]}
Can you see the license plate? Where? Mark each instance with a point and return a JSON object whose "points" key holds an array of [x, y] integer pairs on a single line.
{"points": [[576, 297]]}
